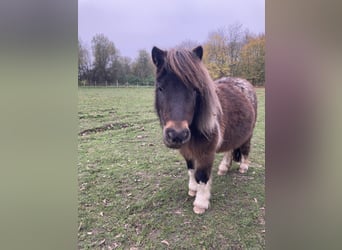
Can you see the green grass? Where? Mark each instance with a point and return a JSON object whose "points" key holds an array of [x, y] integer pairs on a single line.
{"points": [[133, 190]]}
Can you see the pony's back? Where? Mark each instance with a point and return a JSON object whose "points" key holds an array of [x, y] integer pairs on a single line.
{"points": [[239, 103], [244, 86]]}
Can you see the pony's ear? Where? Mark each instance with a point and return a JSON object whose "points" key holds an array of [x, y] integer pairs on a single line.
{"points": [[158, 56], [198, 52]]}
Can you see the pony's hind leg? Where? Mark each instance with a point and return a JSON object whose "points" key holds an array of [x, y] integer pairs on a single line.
{"points": [[244, 149], [225, 163], [243, 165], [192, 180]]}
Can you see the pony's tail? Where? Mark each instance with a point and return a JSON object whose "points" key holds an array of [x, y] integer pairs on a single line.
{"points": [[237, 155]]}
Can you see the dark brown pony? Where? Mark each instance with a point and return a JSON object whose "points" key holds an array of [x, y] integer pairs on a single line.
{"points": [[201, 117]]}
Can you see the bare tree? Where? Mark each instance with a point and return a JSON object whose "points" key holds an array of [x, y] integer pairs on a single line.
{"points": [[83, 62], [188, 44], [234, 35]]}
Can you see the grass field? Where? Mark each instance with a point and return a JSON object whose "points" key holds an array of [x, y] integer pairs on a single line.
{"points": [[133, 190]]}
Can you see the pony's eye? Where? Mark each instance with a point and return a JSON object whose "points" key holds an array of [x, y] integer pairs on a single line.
{"points": [[160, 89]]}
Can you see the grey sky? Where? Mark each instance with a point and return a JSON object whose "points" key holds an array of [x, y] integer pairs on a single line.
{"points": [[133, 25]]}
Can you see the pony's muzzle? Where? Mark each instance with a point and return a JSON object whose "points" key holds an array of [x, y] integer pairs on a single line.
{"points": [[176, 136]]}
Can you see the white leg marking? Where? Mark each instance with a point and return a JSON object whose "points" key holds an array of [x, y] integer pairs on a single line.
{"points": [[225, 163], [192, 183], [201, 202], [243, 165], [220, 138]]}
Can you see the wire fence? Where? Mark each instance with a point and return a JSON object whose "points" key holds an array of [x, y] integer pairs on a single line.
{"points": [[113, 85], [127, 85]]}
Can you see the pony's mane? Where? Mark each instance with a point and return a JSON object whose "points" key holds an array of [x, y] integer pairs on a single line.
{"points": [[189, 68]]}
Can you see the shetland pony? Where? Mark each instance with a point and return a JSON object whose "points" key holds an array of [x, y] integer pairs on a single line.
{"points": [[200, 117]]}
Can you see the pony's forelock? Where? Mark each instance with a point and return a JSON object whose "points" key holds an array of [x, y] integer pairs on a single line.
{"points": [[191, 71]]}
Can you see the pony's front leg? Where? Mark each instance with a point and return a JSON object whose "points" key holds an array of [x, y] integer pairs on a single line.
{"points": [[203, 180], [202, 202], [192, 180]]}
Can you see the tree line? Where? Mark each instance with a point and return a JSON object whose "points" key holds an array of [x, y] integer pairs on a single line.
{"points": [[228, 51]]}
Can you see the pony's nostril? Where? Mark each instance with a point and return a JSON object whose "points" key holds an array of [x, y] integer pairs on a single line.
{"points": [[170, 133], [186, 134]]}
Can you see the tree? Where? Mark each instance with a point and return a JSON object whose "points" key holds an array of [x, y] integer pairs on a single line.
{"points": [[124, 72], [233, 51], [216, 54], [104, 53], [253, 60], [114, 68], [143, 68], [83, 62], [234, 38], [188, 44]]}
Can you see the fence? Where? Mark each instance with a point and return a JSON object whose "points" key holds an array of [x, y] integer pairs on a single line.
{"points": [[141, 84], [113, 85]]}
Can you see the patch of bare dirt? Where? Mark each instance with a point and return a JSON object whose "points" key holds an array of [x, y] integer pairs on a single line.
{"points": [[105, 127]]}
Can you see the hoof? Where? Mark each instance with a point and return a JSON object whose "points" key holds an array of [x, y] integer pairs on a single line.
{"points": [[199, 210], [192, 193], [243, 168], [222, 172]]}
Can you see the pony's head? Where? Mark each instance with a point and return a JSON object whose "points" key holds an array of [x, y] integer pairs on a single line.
{"points": [[183, 87]]}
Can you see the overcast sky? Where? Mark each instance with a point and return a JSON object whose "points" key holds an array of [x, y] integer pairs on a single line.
{"points": [[140, 24]]}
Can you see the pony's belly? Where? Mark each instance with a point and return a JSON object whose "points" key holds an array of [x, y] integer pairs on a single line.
{"points": [[233, 142], [224, 147]]}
